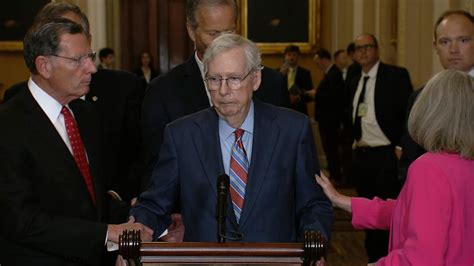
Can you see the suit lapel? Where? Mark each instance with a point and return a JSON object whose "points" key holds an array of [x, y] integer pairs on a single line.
{"points": [[379, 89], [265, 137], [194, 85], [52, 143], [88, 132], [207, 144], [45, 130]]}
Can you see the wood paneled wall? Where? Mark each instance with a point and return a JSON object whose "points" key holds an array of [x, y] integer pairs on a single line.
{"points": [[158, 26]]}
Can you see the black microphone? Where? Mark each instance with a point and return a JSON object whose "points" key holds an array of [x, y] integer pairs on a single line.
{"points": [[221, 206]]}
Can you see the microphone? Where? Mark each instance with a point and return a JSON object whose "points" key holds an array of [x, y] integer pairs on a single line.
{"points": [[221, 206]]}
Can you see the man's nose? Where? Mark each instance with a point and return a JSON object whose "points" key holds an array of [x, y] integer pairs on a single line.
{"points": [[224, 88], [454, 46]]}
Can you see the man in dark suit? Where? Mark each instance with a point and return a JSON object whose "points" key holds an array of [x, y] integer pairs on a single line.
{"points": [[354, 68], [117, 96], [329, 111], [298, 80], [267, 151], [106, 58], [52, 184], [453, 42], [379, 98], [181, 91]]}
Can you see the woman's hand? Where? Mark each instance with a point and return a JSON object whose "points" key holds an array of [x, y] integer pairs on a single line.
{"points": [[337, 199]]}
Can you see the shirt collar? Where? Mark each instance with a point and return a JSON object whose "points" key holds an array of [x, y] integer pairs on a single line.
{"points": [[247, 125], [200, 64], [471, 73], [50, 106], [373, 71]]}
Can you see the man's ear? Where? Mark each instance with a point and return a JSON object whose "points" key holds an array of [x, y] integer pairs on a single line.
{"points": [[257, 79], [191, 32], [43, 66], [435, 47]]}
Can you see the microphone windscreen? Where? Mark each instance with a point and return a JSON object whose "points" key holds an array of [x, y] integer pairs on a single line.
{"points": [[223, 182]]}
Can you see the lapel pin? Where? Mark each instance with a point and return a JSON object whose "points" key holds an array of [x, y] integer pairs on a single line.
{"points": [[94, 98]]}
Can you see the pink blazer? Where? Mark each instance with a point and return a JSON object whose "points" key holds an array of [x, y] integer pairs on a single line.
{"points": [[432, 221]]}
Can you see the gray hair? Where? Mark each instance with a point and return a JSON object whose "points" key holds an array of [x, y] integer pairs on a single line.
{"points": [[43, 38], [229, 41], [55, 10], [193, 5], [442, 116]]}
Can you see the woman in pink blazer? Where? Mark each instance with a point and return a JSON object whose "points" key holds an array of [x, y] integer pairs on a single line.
{"points": [[432, 221]]}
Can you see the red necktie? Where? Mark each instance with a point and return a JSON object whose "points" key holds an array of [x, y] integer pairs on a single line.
{"points": [[78, 150], [239, 166]]}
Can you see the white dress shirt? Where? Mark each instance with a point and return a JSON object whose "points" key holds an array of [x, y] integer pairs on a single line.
{"points": [[372, 134], [52, 109]]}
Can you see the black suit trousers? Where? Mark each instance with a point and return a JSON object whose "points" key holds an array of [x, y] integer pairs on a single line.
{"points": [[331, 141], [376, 175]]}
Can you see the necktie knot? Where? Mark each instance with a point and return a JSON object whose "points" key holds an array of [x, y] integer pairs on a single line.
{"points": [[65, 111], [238, 133]]}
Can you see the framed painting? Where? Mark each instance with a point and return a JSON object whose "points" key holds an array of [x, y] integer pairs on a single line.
{"points": [[275, 24], [15, 19]]}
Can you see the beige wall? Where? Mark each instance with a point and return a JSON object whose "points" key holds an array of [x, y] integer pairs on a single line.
{"points": [[12, 69]]}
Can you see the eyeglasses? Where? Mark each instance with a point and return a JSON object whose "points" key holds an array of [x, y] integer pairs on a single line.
{"points": [[79, 61], [234, 83], [366, 47]]}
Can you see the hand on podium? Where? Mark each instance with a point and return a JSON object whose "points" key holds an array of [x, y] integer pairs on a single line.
{"points": [[175, 230], [114, 230]]}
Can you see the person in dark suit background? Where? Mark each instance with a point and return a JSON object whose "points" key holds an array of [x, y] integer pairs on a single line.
{"points": [[52, 181], [354, 68], [145, 68], [329, 111], [12, 91], [298, 80], [117, 96], [181, 91], [379, 98], [279, 198], [453, 42], [106, 58]]}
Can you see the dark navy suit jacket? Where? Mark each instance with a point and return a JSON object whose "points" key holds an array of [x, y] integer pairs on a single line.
{"points": [[282, 198]]}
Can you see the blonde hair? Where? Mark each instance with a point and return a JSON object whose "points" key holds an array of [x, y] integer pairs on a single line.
{"points": [[442, 118]]}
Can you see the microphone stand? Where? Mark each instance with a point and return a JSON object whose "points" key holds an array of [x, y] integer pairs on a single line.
{"points": [[221, 206]]}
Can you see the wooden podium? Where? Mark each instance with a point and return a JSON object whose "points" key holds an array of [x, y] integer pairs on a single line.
{"points": [[149, 253]]}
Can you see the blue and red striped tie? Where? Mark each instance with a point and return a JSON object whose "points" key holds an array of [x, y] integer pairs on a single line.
{"points": [[239, 166]]}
